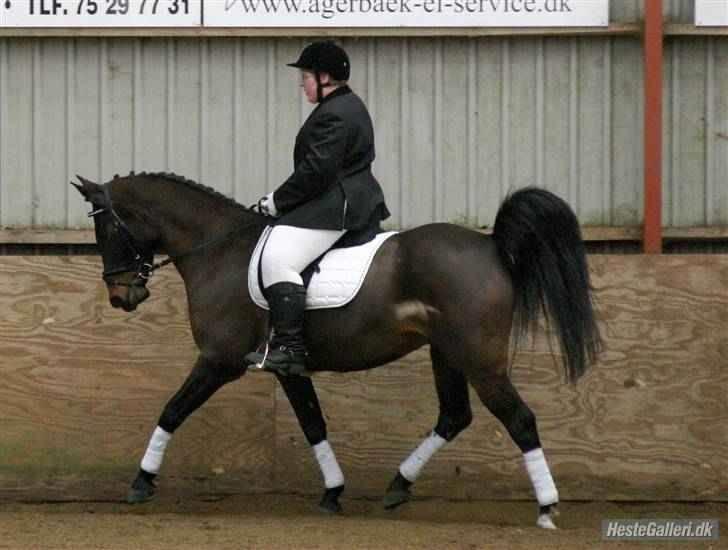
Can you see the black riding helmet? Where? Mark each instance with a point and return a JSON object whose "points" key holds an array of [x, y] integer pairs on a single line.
{"points": [[324, 57]]}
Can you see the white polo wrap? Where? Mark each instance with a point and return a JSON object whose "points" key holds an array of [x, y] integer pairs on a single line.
{"points": [[412, 467], [152, 460], [333, 476], [543, 483]]}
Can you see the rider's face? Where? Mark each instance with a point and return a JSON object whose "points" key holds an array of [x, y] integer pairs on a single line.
{"points": [[308, 83]]}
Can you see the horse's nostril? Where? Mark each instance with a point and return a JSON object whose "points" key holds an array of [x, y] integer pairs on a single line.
{"points": [[116, 301]]}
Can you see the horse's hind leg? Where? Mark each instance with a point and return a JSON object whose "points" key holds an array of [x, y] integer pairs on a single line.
{"points": [[501, 398], [204, 380], [455, 415], [302, 397]]}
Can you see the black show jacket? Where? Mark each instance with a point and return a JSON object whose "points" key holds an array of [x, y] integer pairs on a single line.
{"points": [[332, 185]]}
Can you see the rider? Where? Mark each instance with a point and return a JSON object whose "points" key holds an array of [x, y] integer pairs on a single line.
{"points": [[331, 191]]}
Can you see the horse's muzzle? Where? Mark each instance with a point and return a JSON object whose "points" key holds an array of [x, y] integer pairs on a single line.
{"points": [[127, 298]]}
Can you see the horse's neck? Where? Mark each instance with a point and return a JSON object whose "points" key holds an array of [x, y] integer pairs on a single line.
{"points": [[187, 218]]}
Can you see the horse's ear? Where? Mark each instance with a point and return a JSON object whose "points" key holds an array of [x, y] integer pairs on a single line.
{"points": [[79, 187], [88, 189]]}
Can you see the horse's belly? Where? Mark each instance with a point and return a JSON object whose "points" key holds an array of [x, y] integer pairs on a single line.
{"points": [[352, 342]]}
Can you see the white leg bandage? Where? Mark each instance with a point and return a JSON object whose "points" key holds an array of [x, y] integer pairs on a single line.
{"points": [[155, 450], [333, 476], [543, 483], [412, 467]]}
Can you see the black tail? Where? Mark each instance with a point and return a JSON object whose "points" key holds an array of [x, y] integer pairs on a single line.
{"points": [[539, 240]]}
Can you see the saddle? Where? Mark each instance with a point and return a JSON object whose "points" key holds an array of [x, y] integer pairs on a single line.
{"points": [[333, 280]]}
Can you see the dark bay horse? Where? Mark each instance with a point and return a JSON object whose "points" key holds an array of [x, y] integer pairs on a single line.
{"points": [[459, 291]]}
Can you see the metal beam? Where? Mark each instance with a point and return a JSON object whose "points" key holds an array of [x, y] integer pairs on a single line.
{"points": [[653, 35]]}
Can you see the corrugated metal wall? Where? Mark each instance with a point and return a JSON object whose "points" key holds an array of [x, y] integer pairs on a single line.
{"points": [[459, 121], [695, 166], [631, 11]]}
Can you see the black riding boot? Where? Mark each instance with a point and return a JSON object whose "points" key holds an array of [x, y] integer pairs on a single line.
{"points": [[286, 351]]}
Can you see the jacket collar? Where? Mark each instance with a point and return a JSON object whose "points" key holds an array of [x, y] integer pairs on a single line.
{"points": [[343, 90]]}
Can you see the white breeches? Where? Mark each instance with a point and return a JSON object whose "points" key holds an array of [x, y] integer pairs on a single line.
{"points": [[289, 250]]}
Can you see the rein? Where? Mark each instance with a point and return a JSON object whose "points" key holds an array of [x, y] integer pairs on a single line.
{"points": [[194, 250], [145, 269]]}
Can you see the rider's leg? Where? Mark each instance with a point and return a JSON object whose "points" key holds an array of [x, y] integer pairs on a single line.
{"points": [[288, 251]]}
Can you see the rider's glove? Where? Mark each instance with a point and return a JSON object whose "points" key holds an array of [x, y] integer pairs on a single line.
{"points": [[266, 206]]}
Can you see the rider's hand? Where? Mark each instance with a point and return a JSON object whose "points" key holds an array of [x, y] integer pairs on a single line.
{"points": [[266, 206]]}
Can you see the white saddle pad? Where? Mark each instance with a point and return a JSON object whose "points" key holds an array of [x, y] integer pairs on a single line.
{"points": [[340, 276]]}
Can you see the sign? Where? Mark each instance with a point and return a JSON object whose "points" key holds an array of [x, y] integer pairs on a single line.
{"points": [[100, 13], [306, 13], [711, 13], [406, 13]]}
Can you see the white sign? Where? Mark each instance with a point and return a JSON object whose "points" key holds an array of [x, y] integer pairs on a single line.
{"points": [[100, 13], [406, 13], [711, 13]]}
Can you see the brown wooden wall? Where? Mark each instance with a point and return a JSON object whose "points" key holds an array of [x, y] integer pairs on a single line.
{"points": [[82, 385]]}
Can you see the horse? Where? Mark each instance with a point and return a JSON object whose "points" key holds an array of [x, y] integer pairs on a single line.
{"points": [[472, 297]]}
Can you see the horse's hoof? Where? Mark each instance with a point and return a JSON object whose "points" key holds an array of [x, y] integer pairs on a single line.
{"points": [[135, 496], [397, 493], [546, 515], [142, 490], [330, 501], [394, 498]]}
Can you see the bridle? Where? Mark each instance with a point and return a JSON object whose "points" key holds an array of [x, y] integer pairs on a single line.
{"points": [[140, 258]]}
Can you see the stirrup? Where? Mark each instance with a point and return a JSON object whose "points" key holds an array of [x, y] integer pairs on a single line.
{"points": [[260, 366], [263, 367]]}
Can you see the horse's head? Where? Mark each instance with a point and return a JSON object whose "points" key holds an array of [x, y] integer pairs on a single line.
{"points": [[126, 245]]}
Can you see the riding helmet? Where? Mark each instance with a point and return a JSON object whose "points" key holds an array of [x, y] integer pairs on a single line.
{"points": [[324, 57]]}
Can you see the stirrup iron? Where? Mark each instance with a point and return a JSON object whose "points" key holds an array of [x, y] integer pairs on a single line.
{"points": [[261, 366]]}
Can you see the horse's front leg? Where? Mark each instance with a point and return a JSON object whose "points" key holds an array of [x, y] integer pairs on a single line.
{"points": [[302, 396], [206, 378]]}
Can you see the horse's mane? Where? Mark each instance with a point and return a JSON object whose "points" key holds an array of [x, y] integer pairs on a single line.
{"points": [[176, 178]]}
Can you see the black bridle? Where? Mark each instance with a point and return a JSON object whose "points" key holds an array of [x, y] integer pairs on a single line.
{"points": [[139, 257]]}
